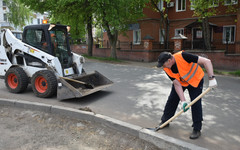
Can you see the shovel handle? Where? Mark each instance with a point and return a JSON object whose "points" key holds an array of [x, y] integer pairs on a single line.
{"points": [[189, 105]]}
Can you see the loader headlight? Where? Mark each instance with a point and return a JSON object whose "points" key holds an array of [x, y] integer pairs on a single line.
{"points": [[51, 26], [68, 28], [82, 60]]}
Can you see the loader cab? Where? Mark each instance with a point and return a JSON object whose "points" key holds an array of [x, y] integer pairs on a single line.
{"points": [[52, 39]]}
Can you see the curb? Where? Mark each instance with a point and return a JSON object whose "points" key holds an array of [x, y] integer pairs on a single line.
{"points": [[159, 140]]}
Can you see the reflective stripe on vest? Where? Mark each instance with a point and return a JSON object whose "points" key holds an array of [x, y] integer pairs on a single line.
{"points": [[185, 76]]}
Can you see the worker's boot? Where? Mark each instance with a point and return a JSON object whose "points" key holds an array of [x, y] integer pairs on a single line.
{"points": [[195, 134]]}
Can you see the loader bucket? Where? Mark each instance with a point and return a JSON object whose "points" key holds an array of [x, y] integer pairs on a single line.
{"points": [[74, 89]]}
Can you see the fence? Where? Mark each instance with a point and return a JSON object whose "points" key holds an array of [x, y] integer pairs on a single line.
{"points": [[230, 48]]}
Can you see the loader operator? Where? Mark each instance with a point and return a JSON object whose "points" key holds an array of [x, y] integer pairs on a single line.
{"points": [[54, 43], [185, 72]]}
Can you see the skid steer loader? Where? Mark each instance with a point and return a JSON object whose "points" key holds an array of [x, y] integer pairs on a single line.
{"points": [[43, 58]]}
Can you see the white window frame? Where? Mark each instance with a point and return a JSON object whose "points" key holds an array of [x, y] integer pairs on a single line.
{"points": [[161, 37], [232, 39], [233, 2], [182, 3], [215, 3], [137, 40], [192, 4], [181, 30], [160, 5]]}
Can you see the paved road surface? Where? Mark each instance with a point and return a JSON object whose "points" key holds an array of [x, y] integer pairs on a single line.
{"points": [[139, 94]]}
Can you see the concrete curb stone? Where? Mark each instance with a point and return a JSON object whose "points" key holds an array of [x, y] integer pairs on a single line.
{"points": [[160, 140]]}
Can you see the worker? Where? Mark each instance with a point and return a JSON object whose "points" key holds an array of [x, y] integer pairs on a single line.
{"points": [[186, 73]]}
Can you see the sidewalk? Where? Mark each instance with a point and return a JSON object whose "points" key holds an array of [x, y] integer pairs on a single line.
{"points": [[42, 126]]}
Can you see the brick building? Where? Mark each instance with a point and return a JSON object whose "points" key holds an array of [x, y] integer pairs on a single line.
{"points": [[144, 41], [224, 28]]}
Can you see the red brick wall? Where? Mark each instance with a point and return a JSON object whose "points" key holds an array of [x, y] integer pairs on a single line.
{"points": [[148, 27], [220, 60], [135, 55]]}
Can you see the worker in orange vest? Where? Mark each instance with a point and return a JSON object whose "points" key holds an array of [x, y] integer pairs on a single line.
{"points": [[186, 73]]}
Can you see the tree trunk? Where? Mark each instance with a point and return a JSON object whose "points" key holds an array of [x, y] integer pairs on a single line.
{"points": [[113, 42], [206, 33], [167, 31], [90, 36]]}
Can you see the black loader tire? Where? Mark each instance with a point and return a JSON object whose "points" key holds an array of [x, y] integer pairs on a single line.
{"points": [[16, 80], [44, 83]]}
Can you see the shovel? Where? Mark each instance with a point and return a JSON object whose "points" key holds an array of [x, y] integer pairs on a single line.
{"points": [[87, 85], [179, 113]]}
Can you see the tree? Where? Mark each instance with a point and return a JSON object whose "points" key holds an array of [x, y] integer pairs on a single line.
{"points": [[115, 15], [18, 14], [75, 13], [164, 21], [204, 9]]}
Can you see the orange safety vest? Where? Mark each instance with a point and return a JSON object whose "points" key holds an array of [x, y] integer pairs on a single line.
{"points": [[188, 73]]}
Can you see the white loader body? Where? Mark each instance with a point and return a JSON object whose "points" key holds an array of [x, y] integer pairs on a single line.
{"points": [[45, 63]]}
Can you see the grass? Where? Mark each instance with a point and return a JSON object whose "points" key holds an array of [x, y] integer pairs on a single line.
{"points": [[233, 73]]}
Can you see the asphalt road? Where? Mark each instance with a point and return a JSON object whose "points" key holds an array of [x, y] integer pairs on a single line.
{"points": [[139, 94]]}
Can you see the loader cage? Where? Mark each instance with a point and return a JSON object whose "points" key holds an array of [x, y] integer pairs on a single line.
{"points": [[54, 42]]}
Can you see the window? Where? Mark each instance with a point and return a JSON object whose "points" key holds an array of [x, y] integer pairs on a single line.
{"points": [[180, 5], [214, 3], [192, 4], [4, 3], [160, 5], [228, 34], [36, 39], [5, 17], [231, 2], [179, 31], [136, 36], [161, 36]]}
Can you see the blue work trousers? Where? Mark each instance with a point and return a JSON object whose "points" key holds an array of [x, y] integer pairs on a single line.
{"points": [[173, 101]]}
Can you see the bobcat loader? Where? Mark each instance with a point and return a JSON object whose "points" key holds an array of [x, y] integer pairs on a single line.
{"points": [[43, 58]]}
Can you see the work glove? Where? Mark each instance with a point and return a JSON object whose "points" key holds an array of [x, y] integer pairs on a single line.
{"points": [[213, 83], [184, 105]]}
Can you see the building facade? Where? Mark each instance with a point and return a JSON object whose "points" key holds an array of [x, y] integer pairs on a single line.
{"points": [[224, 27]]}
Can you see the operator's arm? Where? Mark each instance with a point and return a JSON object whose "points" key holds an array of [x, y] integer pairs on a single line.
{"points": [[207, 65]]}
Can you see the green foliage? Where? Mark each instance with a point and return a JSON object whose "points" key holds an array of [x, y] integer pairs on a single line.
{"points": [[68, 12], [18, 13], [203, 8], [116, 15], [113, 15], [207, 8]]}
